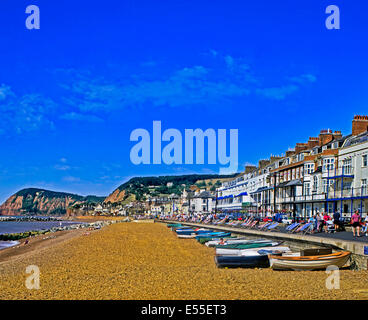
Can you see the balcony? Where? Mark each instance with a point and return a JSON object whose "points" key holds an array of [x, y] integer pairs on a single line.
{"points": [[348, 193], [342, 172]]}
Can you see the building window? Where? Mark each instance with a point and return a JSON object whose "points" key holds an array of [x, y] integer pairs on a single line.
{"points": [[315, 184], [309, 168], [307, 188], [347, 166], [328, 164], [365, 160], [364, 187]]}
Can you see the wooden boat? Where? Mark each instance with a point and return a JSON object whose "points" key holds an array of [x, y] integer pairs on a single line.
{"points": [[205, 240], [213, 234], [174, 225], [248, 245], [239, 252], [192, 231], [235, 241], [316, 262], [252, 259]]}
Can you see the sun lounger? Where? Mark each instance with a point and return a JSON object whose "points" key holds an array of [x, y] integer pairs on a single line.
{"points": [[309, 229], [247, 223], [251, 225], [272, 226], [302, 228], [267, 224], [293, 227]]}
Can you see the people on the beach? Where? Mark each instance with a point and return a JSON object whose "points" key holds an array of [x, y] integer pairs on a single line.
{"points": [[355, 221]]}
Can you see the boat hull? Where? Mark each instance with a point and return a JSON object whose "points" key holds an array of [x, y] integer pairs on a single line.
{"points": [[250, 251], [309, 262], [236, 241], [255, 261]]}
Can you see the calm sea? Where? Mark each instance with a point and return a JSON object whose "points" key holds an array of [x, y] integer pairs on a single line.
{"points": [[7, 244], [23, 226]]}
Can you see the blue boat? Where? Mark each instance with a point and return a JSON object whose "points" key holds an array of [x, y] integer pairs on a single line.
{"points": [[259, 261], [254, 259], [192, 231]]}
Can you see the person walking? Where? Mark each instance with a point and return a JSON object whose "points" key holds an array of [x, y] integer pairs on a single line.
{"points": [[355, 221], [336, 220]]}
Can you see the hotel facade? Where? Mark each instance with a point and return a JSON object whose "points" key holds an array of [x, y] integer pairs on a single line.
{"points": [[327, 173]]}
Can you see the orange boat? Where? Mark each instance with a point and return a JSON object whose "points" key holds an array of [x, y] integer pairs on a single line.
{"points": [[317, 262]]}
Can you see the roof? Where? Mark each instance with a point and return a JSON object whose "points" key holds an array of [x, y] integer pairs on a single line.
{"points": [[295, 182], [204, 194]]}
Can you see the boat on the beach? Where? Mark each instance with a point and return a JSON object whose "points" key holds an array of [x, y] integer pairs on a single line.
{"points": [[317, 262], [205, 240], [215, 243], [239, 252], [174, 225], [192, 231], [236, 249], [249, 259], [213, 234]]}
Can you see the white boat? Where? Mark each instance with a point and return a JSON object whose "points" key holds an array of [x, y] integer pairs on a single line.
{"points": [[214, 243], [338, 259], [251, 251], [187, 236]]}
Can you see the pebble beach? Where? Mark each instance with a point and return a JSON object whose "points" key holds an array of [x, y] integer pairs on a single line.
{"points": [[138, 261]]}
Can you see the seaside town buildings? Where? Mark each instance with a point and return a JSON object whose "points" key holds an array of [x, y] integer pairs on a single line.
{"points": [[328, 173]]}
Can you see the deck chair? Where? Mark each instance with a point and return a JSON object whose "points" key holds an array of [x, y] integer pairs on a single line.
{"points": [[303, 227], [293, 227], [252, 224], [309, 229], [247, 223], [272, 226], [267, 224]]}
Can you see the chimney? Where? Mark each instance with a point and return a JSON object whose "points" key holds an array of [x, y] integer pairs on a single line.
{"points": [[301, 147], [274, 158], [289, 153], [360, 125], [325, 136], [249, 169], [263, 163], [313, 142], [337, 135]]}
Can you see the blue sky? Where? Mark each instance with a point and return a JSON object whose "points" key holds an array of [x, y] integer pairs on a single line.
{"points": [[72, 92]]}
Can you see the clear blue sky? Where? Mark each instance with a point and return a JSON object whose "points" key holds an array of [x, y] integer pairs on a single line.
{"points": [[72, 92]]}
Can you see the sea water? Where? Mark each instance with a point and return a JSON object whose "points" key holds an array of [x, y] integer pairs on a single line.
{"points": [[7, 244], [24, 226]]}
